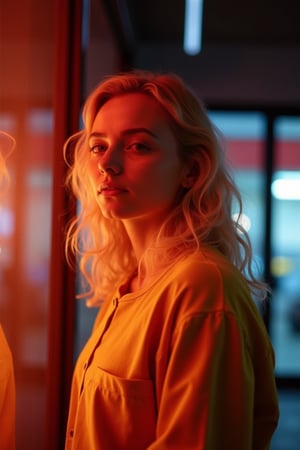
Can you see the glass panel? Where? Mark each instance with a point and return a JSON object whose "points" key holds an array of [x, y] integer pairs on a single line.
{"points": [[285, 263], [244, 134], [26, 80]]}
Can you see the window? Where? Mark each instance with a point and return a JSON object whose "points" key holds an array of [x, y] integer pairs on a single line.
{"points": [[244, 134], [285, 244]]}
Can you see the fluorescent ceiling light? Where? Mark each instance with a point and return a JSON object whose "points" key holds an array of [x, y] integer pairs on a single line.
{"points": [[192, 37], [286, 186]]}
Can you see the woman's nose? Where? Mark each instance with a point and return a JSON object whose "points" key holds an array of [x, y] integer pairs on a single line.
{"points": [[110, 162]]}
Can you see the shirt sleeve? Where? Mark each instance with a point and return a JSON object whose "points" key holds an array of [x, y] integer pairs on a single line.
{"points": [[207, 399]]}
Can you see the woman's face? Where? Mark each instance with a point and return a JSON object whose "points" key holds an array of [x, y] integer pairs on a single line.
{"points": [[134, 163]]}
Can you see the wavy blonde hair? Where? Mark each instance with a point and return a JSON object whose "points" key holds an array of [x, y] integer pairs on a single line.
{"points": [[7, 144], [202, 217]]}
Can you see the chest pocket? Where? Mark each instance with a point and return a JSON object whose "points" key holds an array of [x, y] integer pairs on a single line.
{"points": [[118, 412]]}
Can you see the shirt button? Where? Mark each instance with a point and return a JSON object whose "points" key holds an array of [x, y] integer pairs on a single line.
{"points": [[71, 433]]}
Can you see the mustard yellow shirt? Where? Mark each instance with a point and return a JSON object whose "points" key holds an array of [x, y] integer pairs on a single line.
{"points": [[7, 396], [184, 364]]}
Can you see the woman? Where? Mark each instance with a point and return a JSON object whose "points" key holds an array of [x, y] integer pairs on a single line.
{"points": [[7, 379], [179, 356]]}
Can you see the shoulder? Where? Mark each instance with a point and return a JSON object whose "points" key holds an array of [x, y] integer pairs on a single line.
{"points": [[207, 287], [205, 282], [206, 267]]}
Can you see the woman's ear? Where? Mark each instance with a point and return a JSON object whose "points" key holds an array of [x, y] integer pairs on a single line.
{"points": [[190, 174]]}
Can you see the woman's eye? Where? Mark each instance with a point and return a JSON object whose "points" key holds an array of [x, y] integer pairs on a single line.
{"points": [[99, 148], [137, 147]]}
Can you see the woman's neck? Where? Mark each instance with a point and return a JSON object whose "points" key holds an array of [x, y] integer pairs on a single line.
{"points": [[142, 233]]}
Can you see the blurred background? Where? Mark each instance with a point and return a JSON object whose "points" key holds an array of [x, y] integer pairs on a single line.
{"points": [[244, 65]]}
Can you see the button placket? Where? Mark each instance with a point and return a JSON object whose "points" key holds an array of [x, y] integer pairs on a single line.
{"points": [[115, 303]]}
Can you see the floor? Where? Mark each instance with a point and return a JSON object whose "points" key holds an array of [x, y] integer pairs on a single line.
{"points": [[287, 435]]}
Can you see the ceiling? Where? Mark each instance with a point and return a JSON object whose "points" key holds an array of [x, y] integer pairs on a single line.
{"points": [[234, 22], [250, 49]]}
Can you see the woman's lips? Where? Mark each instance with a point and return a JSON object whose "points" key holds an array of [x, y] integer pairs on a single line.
{"points": [[107, 191]]}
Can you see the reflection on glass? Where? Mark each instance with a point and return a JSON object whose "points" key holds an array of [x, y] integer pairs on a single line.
{"points": [[25, 238], [7, 374], [27, 42]]}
